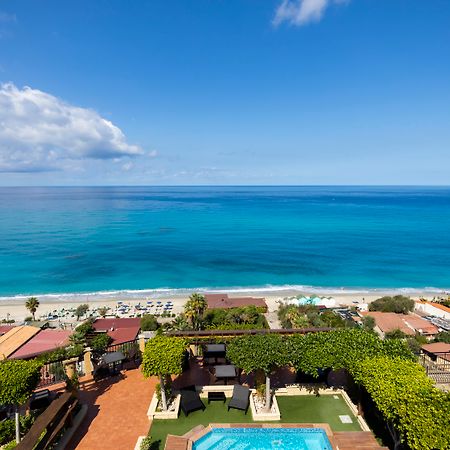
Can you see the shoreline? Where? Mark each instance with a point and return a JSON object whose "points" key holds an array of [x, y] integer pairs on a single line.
{"points": [[13, 307]]}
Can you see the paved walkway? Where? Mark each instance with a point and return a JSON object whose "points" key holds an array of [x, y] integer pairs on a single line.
{"points": [[272, 320], [117, 412]]}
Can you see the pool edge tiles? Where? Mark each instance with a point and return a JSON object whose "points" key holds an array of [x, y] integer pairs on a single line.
{"points": [[234, 438]]}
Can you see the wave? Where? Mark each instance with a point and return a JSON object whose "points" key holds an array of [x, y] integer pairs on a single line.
{"points": [[266, 289]]}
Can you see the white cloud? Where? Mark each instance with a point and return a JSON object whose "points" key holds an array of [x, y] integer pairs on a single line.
{"points": [[40, 132], [301, 12]]}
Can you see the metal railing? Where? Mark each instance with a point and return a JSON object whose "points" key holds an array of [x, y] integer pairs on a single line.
{"points": [[437, 366], [54, 372], [127, 348]]}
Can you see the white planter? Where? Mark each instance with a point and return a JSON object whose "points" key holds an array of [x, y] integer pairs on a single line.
{"points": [[139, 442], [153, 413], [263, 416]]}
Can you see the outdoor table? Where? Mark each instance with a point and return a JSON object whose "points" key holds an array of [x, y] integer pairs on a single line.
{"points": [[226, 371], [216, 396]]}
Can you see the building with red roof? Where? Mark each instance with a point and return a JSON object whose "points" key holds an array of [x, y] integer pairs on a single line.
{"points": [[42, 342], [222, 301], [120, 330], [439, 353], [409, 324], [5, 328]]}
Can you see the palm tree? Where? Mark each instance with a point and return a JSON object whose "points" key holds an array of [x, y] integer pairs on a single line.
{"points": [[32, 304], [178, 324], [194, 309], [103, 311]]}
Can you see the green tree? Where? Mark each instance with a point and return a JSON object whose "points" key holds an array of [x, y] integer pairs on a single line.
{"points": [[18, 379], [395, 334], [100, 342], [368, 323], [32, 304], [194, 310], [398, 304], [340, 349], [149, 323], [178, 324], [81, 310], [443, 336], [163, 356], [103, 311], [79, 336], [258, 353]]}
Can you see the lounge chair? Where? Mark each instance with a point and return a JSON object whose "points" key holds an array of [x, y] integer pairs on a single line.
{"points": [[240, 399], [190, 401]]}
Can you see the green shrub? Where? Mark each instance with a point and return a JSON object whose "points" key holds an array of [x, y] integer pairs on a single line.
{"points": [[443, 336], [100, 342], [8, 428], [304, 316], [7, 431], [149, 323], [398, 304], [10, 445], [146, 443], [244, 318], [415, 411]]}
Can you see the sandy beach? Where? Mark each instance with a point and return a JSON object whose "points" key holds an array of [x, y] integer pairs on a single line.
{"points": [[13, 308]]}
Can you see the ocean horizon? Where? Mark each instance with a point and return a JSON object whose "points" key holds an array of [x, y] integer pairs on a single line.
{"points": [[133, 239]]}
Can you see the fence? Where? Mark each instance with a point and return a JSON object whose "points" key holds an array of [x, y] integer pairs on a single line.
{"points": [[54, 372], [437, 366], [128, 348]]}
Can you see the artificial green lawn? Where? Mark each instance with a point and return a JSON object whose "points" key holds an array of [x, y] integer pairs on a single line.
{"points": [[297, 409]]}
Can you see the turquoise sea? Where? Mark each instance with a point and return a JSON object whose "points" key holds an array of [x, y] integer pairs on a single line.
{"points": [[90, 239]]}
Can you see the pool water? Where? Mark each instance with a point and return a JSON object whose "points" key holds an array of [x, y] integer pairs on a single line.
{"points": [[264, 439]]}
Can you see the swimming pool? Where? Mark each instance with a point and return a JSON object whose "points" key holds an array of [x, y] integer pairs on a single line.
{"points": [[264, 439]]}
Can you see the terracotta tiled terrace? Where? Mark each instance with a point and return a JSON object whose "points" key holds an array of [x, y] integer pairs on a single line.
{"points": [[117, 412]]}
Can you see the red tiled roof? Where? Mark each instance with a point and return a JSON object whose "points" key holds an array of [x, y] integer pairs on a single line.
{"points": [[121, 335], [5, 328], [107, 324], [44, 341], [120, 329], [407, 323], [437, 347], [223, 301]]}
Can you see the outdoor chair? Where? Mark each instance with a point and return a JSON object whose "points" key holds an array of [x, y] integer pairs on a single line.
{"points": [[190, 401], [240, 399]]}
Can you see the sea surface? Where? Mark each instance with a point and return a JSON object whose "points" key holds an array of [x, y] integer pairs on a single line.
{"points": [[91, 239]]}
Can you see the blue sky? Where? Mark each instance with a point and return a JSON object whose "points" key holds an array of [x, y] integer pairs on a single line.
{"points": [[225, 92]]}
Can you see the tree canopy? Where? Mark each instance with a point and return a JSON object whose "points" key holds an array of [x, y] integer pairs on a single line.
{"points": [[164, 355], [398, 304], [340, 349], [18, 379], [194, 310], [32, 304], [81, 310], [303, 316], [258, 352], [100, 342], [149, 323]]}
